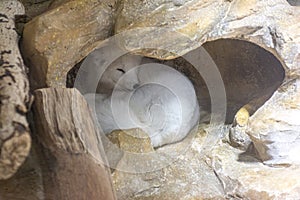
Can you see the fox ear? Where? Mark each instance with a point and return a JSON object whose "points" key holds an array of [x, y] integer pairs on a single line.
{"points": [[121, 70]]}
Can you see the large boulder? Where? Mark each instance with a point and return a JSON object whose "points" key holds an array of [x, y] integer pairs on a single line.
{"points": [[56, 40]]}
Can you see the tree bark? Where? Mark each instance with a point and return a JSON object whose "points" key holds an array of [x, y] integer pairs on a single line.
{"points": [[71, 152], [15, 99]]}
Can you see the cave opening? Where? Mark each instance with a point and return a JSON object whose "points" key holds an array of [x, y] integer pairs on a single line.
{"points": [[249, 73], [294, 2]]}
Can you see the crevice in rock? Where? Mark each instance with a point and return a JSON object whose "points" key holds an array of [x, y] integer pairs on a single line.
{"points": [[71, 75]]}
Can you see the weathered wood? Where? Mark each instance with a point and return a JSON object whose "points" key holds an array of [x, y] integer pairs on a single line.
{"points": [[15, 99], [27, 182], [72, 158]]}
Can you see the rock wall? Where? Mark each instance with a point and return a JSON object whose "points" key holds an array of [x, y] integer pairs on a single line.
{"points": [[253, 46]]}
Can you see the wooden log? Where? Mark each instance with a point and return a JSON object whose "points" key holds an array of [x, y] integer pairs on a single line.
{"points": [[15, 99], [71, 153], [27, 182]]}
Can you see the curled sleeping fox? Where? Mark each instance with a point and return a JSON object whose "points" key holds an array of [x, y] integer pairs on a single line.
{"points": [[154, 97]]}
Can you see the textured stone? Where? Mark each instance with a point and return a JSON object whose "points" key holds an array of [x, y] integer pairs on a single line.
{"points": [[200, 21], [34, 8], [161, 25], [133, 140], [121, 142], [237, 134], [217, 172], [267, 112], [244, 177], [272, 25], [58, 39], [274, 129], [188, 177]]}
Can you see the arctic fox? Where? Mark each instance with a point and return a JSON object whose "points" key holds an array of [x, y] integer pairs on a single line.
{"points": [[156, 98]]}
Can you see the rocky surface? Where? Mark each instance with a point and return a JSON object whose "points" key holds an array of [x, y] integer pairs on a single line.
{"points": [[237, 133], [58, 39], [245, 177], [132, 140], [187, 177], [219, 172], [120, 143], [34, 8], [272, 25], [266, 23], [255, 46], [274, 130], [188, 23]]}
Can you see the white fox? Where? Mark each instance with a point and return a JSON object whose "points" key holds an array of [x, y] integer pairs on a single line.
{"points": [[156, 98]]}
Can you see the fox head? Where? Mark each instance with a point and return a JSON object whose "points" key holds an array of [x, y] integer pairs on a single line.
{"points": [[121, 74]]}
